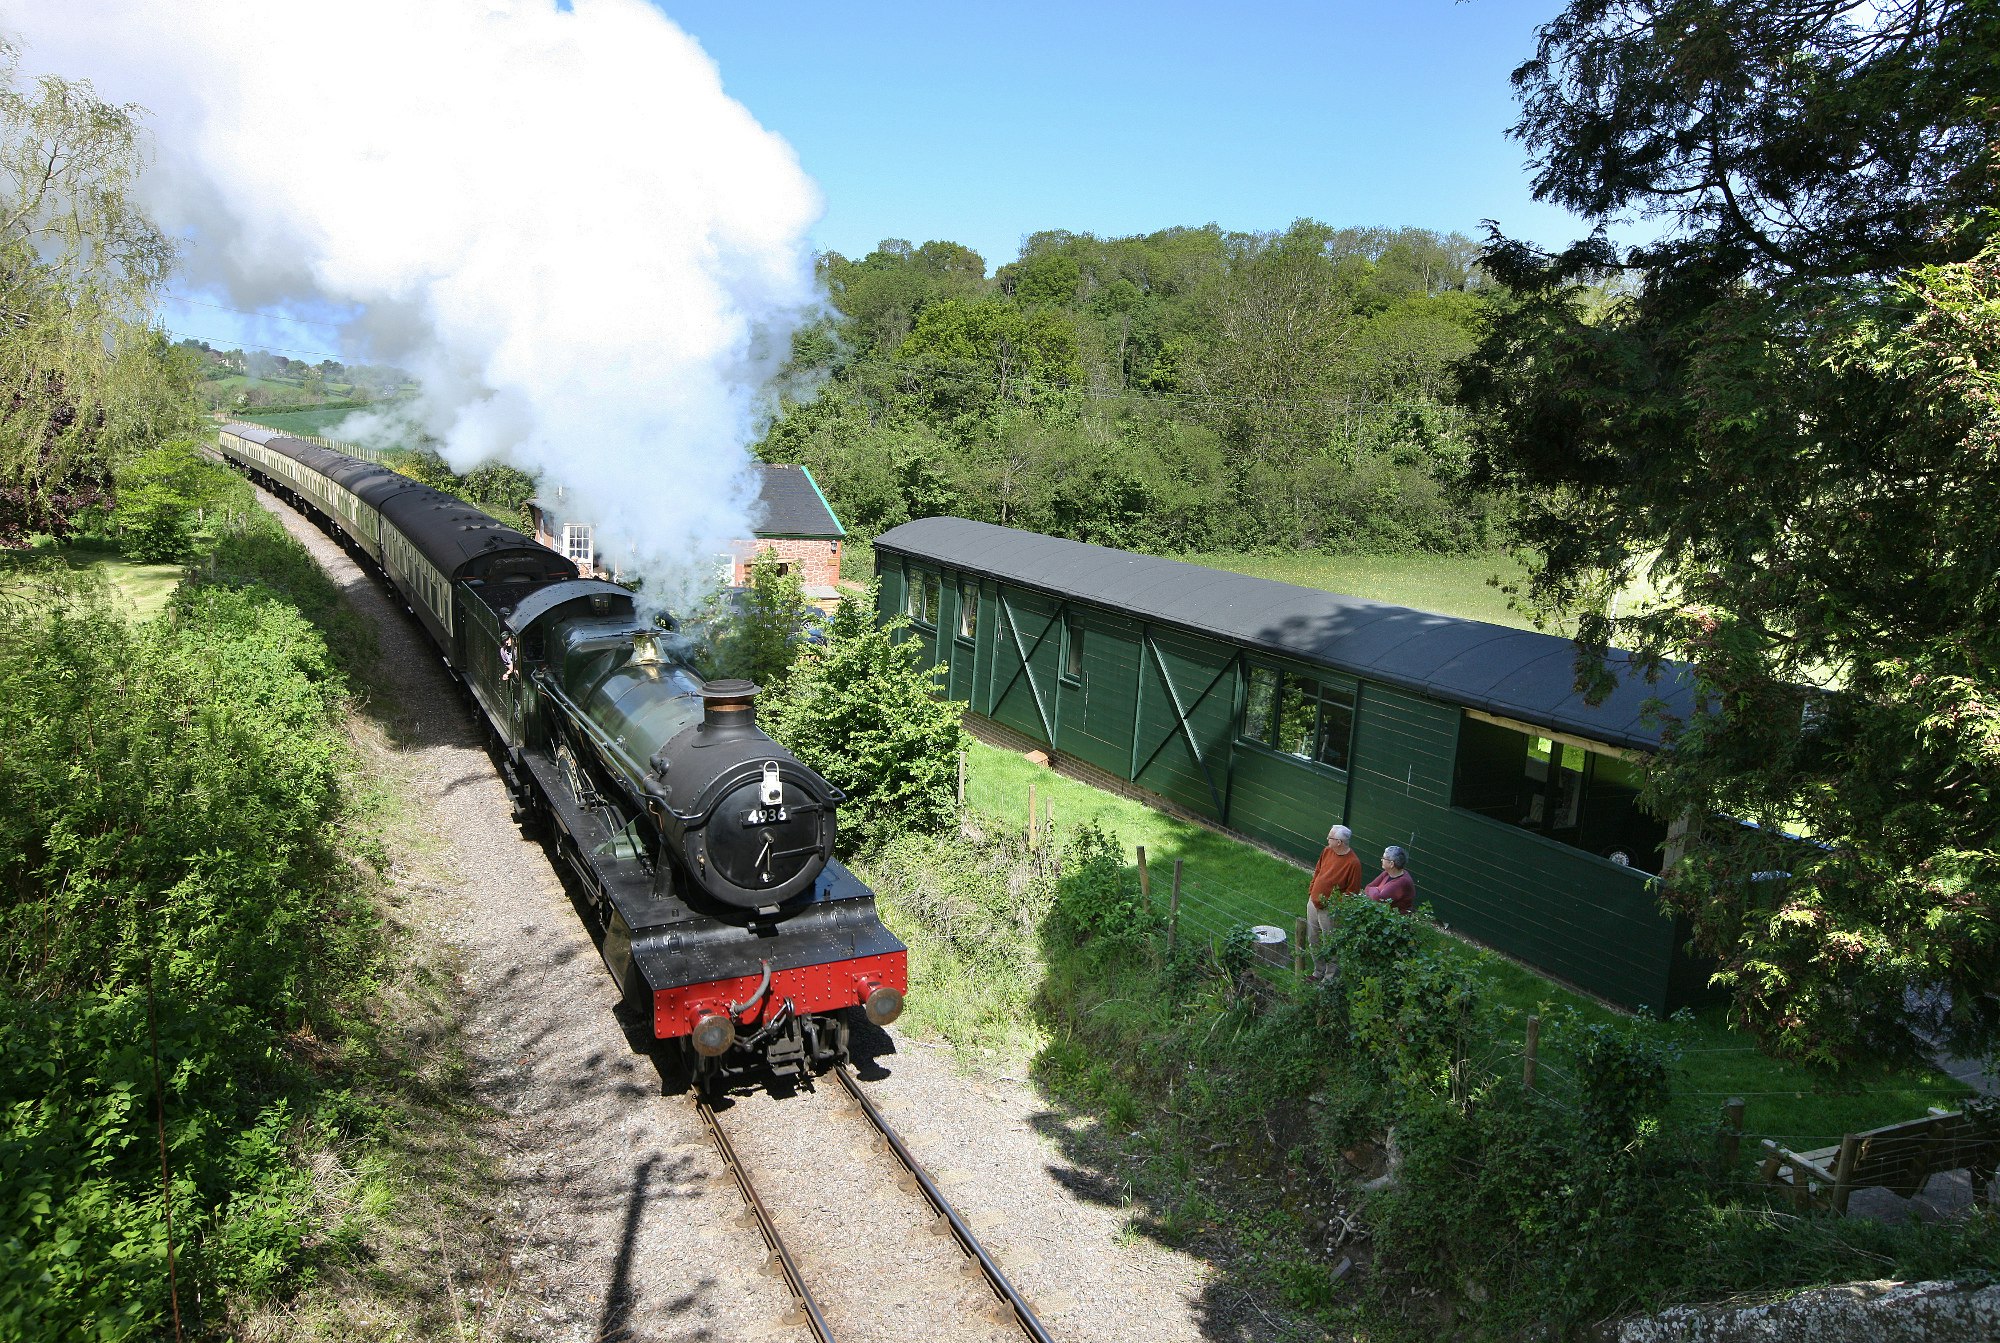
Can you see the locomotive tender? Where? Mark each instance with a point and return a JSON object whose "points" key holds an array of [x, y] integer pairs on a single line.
{"points": [[704, 848]]}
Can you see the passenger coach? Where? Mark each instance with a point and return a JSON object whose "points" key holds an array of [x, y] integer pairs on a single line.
{"points": [[1275, 711]]}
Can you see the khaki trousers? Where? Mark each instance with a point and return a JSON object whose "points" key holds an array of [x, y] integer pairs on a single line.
{"points": [[1319, 924]]}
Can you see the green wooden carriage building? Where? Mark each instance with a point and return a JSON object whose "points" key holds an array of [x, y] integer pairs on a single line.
{"points": [[1276, 711]]}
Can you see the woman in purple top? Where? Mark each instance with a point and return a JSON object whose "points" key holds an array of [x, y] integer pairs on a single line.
{"points": [[1395, 886]]}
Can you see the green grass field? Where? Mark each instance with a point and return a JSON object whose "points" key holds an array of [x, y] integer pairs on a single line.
{"points": [[145, 588], [1452, 585], [1226, 883], [309, 422]]}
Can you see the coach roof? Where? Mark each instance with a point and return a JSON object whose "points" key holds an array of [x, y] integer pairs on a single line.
{"points": [[446, 531], [1511, 673]]}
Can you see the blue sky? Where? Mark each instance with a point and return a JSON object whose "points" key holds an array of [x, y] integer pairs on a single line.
{"points": [[982, 123]]}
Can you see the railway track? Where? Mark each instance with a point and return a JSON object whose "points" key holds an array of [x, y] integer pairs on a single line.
{"points": [[1005, 1307]]}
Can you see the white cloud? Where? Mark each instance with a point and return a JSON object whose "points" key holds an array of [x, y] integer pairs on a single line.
{"points": [[590, 253]]}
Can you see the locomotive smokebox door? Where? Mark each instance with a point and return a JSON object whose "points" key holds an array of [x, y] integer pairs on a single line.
{"points": [[756, 827]]}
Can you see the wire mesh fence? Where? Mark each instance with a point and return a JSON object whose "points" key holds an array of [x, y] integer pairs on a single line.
{"points": [[1200, 908]]}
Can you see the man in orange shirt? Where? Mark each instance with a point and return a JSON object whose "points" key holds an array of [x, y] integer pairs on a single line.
{"points": [[1339, 869]]}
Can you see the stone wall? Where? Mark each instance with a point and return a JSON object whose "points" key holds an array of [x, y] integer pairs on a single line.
{"points": [[1854, 1312], [817, 563]]}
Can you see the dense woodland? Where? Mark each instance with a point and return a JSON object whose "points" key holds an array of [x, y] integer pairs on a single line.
{"points": [[1191, 389]]}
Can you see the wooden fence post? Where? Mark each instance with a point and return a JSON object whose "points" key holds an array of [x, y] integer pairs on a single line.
{"points": [[1729, 1140], [1298, 955], [961, 778], [1174, 911], [1032, 836], [1530, 1057], [1145, 883]]}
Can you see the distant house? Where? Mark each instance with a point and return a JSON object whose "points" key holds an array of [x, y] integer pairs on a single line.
{"points": [[796, 527]]}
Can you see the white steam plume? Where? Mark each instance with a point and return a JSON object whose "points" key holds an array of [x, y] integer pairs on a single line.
{"points": [[591, 255]]}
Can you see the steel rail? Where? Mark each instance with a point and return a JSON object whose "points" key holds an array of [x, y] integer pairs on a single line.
{"points": [[802, 1299], [1007, 1297]]}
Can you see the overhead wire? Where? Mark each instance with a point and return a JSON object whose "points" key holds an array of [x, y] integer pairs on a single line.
{"points": [[245, 312], [252, 345]]}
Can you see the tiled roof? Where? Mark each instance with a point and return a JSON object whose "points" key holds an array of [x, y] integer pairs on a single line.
{"points": [[789, 504]]}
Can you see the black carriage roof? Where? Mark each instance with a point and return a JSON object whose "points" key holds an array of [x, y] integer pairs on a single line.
{"points": [[542, 600], [1516, 674], [446, 531]]}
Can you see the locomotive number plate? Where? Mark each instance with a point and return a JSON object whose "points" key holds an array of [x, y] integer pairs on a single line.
{"points": [[765, 816]]}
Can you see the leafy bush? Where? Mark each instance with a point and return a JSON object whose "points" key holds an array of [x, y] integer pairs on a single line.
{"points": [[165, 495], [170, 864], [1096, 895], [861, 711], [253, 550], [763, 625]]}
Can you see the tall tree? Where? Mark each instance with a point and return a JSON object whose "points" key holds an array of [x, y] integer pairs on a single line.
{"points": [[85, 384], [1784, 419]]}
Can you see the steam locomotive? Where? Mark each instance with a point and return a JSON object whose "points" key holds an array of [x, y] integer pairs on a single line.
{"points": [[703, 847]]}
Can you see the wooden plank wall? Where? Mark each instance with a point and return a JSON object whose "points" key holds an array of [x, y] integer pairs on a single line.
{"points": [[1569, 913], [1097, 707], [1284, 802]]}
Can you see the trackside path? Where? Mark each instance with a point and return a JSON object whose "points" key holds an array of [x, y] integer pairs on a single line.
{"points": [[618, 1220], [615, 1224]]}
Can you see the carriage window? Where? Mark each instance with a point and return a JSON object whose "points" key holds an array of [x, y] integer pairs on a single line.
{"points": [[968, 613], [1581, 796], [1300, 716], [925, 589], [1257, 708]]}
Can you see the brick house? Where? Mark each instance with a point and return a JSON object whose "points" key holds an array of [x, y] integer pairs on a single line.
{"points": [[797, 527]]}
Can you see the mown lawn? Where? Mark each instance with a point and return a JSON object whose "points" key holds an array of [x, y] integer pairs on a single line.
{"points": [[146, 587], [1452, 585], [1226, 883]]}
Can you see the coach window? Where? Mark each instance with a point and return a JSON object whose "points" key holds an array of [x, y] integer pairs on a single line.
{"points": [[968, 612], [1577, 794], [1257, 705], [925, 590], [1300, 716], [1072, 648]]}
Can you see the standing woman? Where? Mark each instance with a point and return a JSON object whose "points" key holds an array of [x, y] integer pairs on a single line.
{"points": [[1395, 887]]}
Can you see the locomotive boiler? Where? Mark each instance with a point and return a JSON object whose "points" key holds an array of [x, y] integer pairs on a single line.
{"points": [[703, 848]]}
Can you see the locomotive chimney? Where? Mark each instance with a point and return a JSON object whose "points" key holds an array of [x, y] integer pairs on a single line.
{"points": [[728, 706]]}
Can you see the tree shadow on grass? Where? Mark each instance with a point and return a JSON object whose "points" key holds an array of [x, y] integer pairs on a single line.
{"points": [[1112, 1075]]}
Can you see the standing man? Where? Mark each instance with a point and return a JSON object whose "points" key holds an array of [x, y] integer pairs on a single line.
{"points": [[1339, 869]]}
